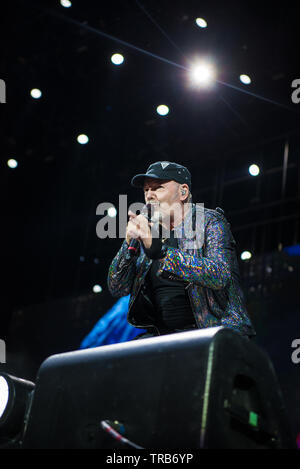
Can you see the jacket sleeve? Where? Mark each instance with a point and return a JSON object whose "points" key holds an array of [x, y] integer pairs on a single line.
{"points": [[121, 273], [214, 269]]}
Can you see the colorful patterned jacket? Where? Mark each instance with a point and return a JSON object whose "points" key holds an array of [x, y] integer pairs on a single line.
{"points": [[210, 273]]}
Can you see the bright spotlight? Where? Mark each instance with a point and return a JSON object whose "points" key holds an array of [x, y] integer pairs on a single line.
{"points": [[4, 391], [117, 59], [11, 163], [202, 74], [246, 255], [162, 110], [253, 170], [201, 23], [112, 212], [97, 289], [245, 79], [65, 3], [82, 139], [36, 93], [14, 398]]}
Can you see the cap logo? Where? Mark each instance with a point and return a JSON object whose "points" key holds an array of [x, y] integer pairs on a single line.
{"points": [[164, 164]]}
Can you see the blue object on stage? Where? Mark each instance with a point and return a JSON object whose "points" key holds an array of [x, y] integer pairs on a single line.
{"points": [[112, 328], [292, 250]]}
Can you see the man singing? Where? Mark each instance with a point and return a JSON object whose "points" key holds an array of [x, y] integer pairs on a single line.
{"points": [[185, 273]]}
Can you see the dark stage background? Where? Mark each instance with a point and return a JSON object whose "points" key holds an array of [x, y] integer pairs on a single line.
{"points": [[51, 256]]}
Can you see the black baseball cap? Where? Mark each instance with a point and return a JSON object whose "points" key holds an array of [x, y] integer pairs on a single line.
{"points": [[164, 170]]}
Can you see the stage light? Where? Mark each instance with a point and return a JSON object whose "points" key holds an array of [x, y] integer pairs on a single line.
{"points": [[97, 289], [82, 139], [246, 255], [3, 395], [253, 170], [202, 74], [112, 212], [201, 22], [117, 59], [65, 3], [162, 110], [245, 79], [14, 399], [36, 93], [12, 163]]}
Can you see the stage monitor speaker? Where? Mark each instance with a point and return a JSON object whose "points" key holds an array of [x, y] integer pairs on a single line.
{"points": [[210, 388]]}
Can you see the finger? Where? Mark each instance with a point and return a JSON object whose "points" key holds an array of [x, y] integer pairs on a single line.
{"points": [[131, 214], [134, 222], [133, 233], [142, 220]]}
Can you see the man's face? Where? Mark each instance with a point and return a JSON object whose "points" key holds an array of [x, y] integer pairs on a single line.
{"points": [[163, 192]]}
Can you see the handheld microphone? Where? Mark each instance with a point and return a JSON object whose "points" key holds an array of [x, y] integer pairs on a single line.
{"points": [[134, 243], [133, 247]]}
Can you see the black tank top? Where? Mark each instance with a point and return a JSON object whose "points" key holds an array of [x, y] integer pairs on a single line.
{"points": [[169, 297]]}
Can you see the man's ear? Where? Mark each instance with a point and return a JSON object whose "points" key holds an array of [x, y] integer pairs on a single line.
{"points": [[183, 191]]}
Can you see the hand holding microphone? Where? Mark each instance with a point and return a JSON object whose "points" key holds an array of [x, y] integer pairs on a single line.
{"points": [[138, 229], [145, 228]]}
